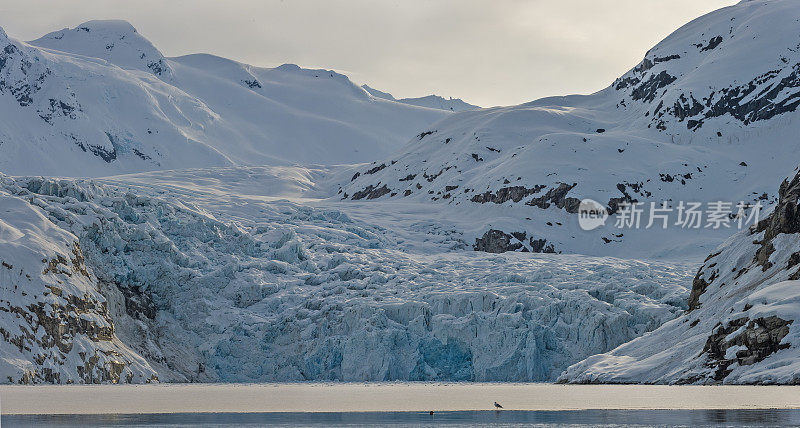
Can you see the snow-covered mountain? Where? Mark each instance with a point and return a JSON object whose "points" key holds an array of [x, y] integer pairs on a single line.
{"points": [[741, 324], [430, 101], [100, 99], [224, 270], [708, 115]]}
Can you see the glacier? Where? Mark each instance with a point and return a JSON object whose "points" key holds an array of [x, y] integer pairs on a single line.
{"points": [[268, 289]]}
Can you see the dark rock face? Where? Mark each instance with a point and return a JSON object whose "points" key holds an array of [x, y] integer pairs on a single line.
{"points": [[764, 106], [761, 338], [252, 84], [371, 192], [103, 153], [761, 98], [558, 197], [496, 241], [425, 134], [614, 204], [784, 219], [514, 193], [376, 169], [699, 286], [541, 246], [55, 324], [19, 75], [712, 44], [58, 108], [648, 89], [159, 67]]}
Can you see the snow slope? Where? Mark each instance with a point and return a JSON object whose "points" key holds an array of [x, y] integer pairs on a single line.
{"points": [[100, 99], [708, 115], [208, 279], [741, 325], [430, 101]]}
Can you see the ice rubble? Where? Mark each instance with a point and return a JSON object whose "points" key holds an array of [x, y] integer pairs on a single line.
{"points": [[301, 293]]}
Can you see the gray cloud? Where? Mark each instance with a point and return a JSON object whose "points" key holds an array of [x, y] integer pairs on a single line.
{"points": [[489, 52]]}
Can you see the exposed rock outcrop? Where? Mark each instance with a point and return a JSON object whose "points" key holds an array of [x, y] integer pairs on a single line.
{"points": [[558, 197], [505, 194], [496, 241], [55, 323], [754, 341]]}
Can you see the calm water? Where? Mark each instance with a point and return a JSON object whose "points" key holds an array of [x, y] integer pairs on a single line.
{"points": [[397, 404], [578, 418]]}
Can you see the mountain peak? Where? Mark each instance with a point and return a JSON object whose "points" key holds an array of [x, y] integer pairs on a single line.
{"points": [[686, 83], [118, 26], [116, 41]]}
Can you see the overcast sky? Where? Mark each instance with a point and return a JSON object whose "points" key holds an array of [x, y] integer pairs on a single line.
{"points": [[488, 52]]}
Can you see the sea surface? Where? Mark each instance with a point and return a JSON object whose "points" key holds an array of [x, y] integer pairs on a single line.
{"points": [[514, 418], [397, 404]]}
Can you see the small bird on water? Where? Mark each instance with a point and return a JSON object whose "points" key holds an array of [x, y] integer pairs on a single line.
{"points": [[497, 406]]}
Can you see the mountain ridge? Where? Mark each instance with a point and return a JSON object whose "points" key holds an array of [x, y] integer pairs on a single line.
{"points": [[430, 101], [681, 125], [140, 111]]}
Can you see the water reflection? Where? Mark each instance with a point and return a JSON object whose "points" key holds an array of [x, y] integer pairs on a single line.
{"points": [[750, 417], [587, 418]]}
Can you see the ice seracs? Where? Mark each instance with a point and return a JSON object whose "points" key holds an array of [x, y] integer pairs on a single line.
{"points": [[268, 290]]}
